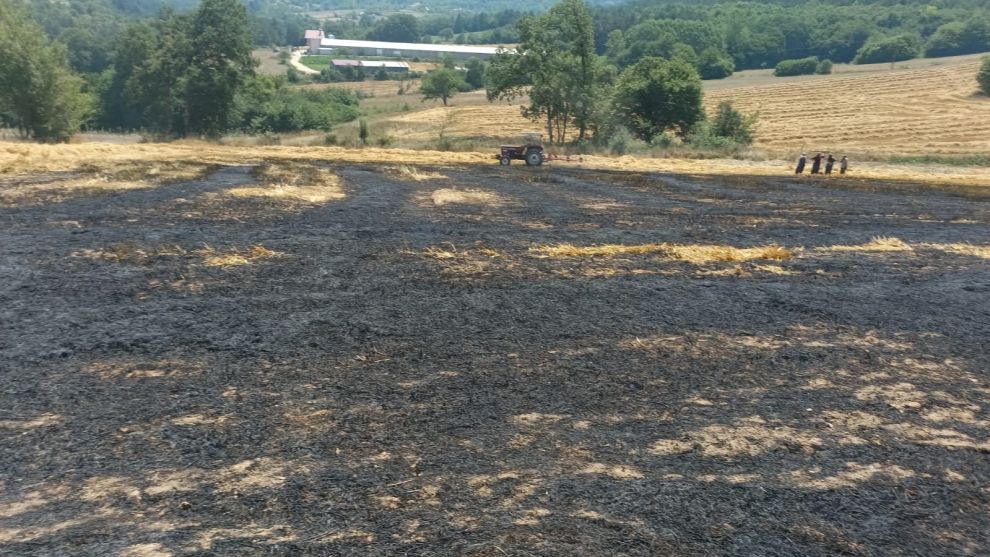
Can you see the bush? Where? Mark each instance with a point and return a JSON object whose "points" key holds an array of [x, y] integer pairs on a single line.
{"points": [[959, 37], [889, 49], [363, 131], [703, 136], [983, 77], [732, 124], [714, 64], [267, 106], [800, 66], [824, 67]]}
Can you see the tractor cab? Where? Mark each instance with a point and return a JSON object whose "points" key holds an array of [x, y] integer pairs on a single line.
{"points": [[530, 151]]}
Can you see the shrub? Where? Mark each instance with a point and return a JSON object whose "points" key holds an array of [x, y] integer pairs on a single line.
{"points": [[889, 49], [714, 64], [800, 66], [363, 131], [732, 124], [620, 141], [824, 67], [983, 76]]}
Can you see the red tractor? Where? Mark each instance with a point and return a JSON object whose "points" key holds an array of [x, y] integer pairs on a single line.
{"points": [[531, 151]]}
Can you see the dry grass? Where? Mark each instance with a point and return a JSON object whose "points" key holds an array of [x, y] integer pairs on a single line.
{"points": [[698, 254], [100, 180], [23, 158], [447, 196], [293, 182], [878, 243], [207, 256], [930, 110], [406, 172]]}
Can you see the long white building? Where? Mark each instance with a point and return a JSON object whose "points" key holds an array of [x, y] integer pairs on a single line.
{"points": [[318, 43]]}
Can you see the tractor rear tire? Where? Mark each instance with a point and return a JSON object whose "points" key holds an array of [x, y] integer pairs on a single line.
{"points": [[504, 161], [534, 158]]}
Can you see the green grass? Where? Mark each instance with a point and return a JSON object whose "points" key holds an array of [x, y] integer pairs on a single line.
{"points": [[318, 63], [952, 160]]}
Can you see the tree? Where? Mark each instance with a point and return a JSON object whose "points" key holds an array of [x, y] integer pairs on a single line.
{"points": [[399, 28], [219, 65], [731, 123], [715, 64], [555, 64], [655, 95], [158, 81], [37, 88], [889, 49], [442, 84], [475, 75], [983, 77]]}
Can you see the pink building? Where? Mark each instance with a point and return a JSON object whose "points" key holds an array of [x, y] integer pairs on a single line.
{"points": [[314, 38]]}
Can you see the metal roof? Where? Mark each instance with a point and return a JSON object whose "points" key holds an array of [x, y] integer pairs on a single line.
{"points": [[314, 34], [420, 47], [346, 63], [381, 64]]}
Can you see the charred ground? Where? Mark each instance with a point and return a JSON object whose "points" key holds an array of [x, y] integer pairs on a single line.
{"points": [[482, 361]]}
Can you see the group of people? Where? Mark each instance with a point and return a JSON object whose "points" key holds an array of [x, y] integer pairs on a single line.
{"points": [[816, 164]]}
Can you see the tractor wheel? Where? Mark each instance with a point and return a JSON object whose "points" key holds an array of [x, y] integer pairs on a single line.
{"points": [[534, 158], [504, 161]]}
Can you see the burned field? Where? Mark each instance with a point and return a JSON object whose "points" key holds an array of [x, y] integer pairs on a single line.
{"points": [[309, 359]]}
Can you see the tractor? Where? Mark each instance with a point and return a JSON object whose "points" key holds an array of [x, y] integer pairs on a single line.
{"points": [[531, 151]]}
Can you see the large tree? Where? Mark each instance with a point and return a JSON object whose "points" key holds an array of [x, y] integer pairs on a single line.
{"points": [[158, 83], [37, 87], [655, 95], [220, 63], [556, 66], [442, 84]]}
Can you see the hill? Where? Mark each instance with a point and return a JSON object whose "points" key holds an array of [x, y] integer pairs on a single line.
{"points": [[923, 107]]}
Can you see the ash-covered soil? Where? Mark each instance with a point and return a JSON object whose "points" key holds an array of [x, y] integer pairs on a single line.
{"points": [[409, 370]]}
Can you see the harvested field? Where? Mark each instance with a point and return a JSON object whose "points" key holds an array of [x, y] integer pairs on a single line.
{"points": [[303, 352], [932, 110], [922, 107]]}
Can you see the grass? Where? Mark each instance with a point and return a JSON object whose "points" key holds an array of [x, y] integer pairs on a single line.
{"points": [[293, 182], [693, 253], [318, 63], [949, 160], [207, 256]]}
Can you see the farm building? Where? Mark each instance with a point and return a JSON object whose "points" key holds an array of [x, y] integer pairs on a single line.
{"points": [[389, 66], [318, 43]]}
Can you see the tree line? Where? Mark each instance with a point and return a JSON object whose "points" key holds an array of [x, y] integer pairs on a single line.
{"points": [[175, 75], [761, 34], [578, 94]]}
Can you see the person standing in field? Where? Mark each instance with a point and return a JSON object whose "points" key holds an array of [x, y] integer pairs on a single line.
{"points": [[829, 164], [800, 165], [844, 164], [816, 163]]}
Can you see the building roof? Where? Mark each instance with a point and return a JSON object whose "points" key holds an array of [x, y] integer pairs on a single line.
{"points": [[420, 47], [314, 34], [346, 63], [384, 64]]}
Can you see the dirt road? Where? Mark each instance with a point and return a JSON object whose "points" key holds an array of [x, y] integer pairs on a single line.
{"points": [[493, 362]]}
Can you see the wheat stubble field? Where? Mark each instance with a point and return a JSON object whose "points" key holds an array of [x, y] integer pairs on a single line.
{"points": [[925, 107], [222, 354]]}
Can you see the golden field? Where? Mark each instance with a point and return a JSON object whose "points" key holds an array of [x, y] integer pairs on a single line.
{"points": [[919, 107], [112, 159]]}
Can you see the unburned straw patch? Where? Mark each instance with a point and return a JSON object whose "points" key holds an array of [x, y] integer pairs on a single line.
{"points": [[95, 179], [407, 172], [293, 182], [206, 256], [692, 253], [449, 196]]}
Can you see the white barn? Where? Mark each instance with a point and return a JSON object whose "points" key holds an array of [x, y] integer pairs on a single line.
{"points": [[318, 43]]}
